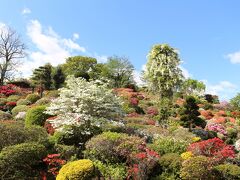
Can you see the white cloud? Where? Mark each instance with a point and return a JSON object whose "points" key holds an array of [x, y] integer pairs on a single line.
{"points": [[51, 48], [100, 58], [234, 57], [26, 11], [224, 89], [75, 36], [185, 72], [137, 75]]}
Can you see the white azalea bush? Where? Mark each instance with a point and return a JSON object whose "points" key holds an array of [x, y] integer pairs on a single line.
{"points": [[82, 102]]}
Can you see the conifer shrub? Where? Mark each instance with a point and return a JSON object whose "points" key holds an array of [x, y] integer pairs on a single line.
{"points": [[13, 98], [22, 161], [32, 98], [189, 114], [77, 170], [20, 108], [198, 167], [23, 102], [5, 115], [36, 116], [227, 171], [169, 145], [3, 101]]}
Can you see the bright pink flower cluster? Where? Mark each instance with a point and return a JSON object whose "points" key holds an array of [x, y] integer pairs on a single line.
{"points": [[218, 128]]}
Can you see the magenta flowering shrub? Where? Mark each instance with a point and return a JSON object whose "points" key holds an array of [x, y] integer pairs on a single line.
{"points": [[218, 128]]}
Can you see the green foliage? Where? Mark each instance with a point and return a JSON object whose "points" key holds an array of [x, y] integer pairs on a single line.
{"points": [[235, 102], [196, 168], [168, 145], [189, 114], [42, 76], [23, 102], [32, 98], [79, 66], [16, 133], [193, 87], [43, 101], [170, 164], [111, 147], [77, 170], [20, 108], [73, 135], [163, 74], [227, 171], [36, 116], [58, 77], [22, 161], [3, 101], [5, 115], [119, 71], [13, 98], [127, 108], [67, 152], [52, 94], [111, 171]]}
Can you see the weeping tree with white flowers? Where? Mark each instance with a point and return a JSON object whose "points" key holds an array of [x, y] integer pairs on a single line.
{"points": [[163, 76], [82, 102]]}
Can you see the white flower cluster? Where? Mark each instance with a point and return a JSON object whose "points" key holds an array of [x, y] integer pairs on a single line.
{"points": [[82, 101]]}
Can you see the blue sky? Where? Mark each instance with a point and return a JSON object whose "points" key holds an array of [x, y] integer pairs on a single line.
{"points": [[206, 33]]}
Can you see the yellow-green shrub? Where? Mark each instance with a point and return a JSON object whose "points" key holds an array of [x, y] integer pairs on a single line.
{"points": [[77, 170]]}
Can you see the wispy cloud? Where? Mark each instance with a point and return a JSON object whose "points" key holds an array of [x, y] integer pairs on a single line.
{"points": [[224, 89], [234, 57], [26, 11], [50, 47], [75, 36]]}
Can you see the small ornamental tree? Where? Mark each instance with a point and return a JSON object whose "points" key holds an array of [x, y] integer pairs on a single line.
{"points": [[82, 102], [189, 115]]}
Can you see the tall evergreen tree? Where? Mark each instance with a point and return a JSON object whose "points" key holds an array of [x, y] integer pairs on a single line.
{"points": [[58, 77]]}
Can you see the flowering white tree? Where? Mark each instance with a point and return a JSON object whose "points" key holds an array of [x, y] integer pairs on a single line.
{"points": [[82, 102]]}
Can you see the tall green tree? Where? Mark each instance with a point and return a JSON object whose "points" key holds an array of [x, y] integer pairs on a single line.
{"points": [[42, 77], [193, 87], [163, 75], [235, 102], [120, 71], [58, 77], [79, 66]]}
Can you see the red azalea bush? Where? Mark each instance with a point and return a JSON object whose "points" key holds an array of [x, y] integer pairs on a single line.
{"points": [[214, 148], [134, 101], [207, 114], [143, 163], [151, 122], [8, 90], [54, 163]]}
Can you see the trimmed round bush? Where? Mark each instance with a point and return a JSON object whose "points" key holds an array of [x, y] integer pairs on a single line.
{"points": [[111, 147], [36, 116], [5, 115], [13, 98], [67, 152], [227, 171], [16, 133], [20, 108], [21, 161], [23, 102], [77, 170], [169, 145], [196, 168], [43, 101], [32, 98], [3, 101]]}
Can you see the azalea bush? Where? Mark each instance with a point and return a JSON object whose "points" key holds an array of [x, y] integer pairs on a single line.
{"points": [[8, 90], [82, 101], [214, 148]]}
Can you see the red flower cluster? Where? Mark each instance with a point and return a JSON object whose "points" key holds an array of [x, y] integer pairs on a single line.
{"points": [[143, 162], [151, 122], [54, 163], [214, 148], [8, 90], [11, 104], [48, 126]]}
